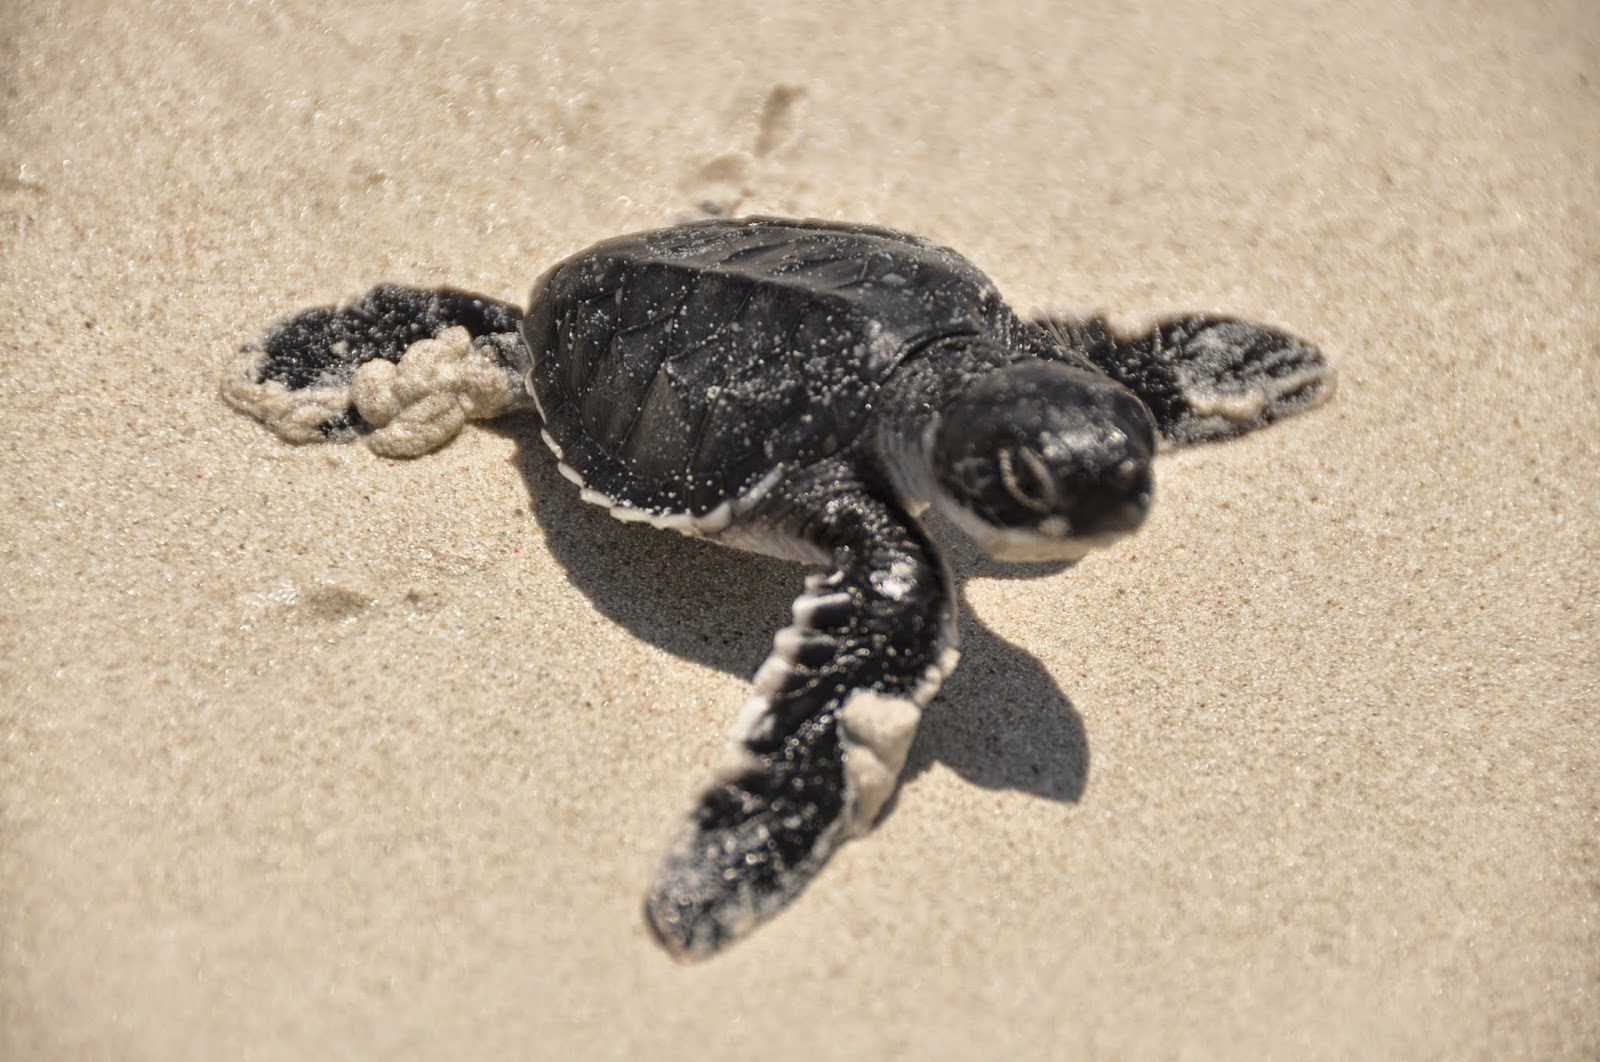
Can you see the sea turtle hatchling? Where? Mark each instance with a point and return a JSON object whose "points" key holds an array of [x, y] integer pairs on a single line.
{"points": [[807, 390]]}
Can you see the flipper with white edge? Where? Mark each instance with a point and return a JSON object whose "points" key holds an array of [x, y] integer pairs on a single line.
{"points": [[1204, 378], [817, 751], [402, 368]]}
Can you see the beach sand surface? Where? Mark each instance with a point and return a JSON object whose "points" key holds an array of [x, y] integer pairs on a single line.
{"points": [[309, 754]]}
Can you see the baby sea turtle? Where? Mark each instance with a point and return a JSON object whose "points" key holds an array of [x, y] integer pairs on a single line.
{"points": [[807, 390]]}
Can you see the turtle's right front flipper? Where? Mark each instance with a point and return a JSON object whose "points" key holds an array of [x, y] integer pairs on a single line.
{"points": [[818, 750], [403, 367]]}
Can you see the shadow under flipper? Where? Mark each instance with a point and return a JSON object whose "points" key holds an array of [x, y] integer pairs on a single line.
{"points": [[1000, 721]]}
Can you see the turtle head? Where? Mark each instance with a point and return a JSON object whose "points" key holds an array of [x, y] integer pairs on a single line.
{"points": [[1040, 461]]}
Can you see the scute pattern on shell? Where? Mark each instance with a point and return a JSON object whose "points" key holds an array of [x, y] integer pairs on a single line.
{"points": [[676, 368]]}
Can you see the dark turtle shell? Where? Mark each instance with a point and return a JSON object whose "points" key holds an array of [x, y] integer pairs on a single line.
{"points": [[677, 368]]}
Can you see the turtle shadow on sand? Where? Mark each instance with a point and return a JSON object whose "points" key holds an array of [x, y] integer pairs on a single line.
{"points": [[1000, 721]]}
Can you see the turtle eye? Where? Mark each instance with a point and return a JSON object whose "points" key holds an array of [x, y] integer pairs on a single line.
{"points": [[1027, 479]]}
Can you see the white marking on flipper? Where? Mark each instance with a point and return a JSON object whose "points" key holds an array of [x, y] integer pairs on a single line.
{"points": [[772, 674], [295, 416], [1248, 405], [806, 606], [749, 724], [752, 722], [1215, 414], [876, 731], [1236, 407], [737, 761], [819, 580], [788, 642]]}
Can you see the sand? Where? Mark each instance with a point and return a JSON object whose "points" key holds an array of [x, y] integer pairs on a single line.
{"points": [[308, 753]]}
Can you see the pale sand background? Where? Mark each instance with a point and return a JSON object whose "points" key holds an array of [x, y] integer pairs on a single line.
{"points": [[310, 754]]}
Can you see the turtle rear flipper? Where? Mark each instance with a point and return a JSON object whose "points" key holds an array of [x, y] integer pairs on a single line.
{"points": [[404, 368], [1204, 378], [818, 750]]}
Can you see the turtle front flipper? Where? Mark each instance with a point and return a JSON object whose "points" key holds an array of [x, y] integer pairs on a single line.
{"points": [[404, 368], [818, 750], [1204, 378]]}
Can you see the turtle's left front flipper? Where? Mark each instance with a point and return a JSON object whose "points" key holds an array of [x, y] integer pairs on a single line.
{"points": [[818, 750], [1204, 378]]}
